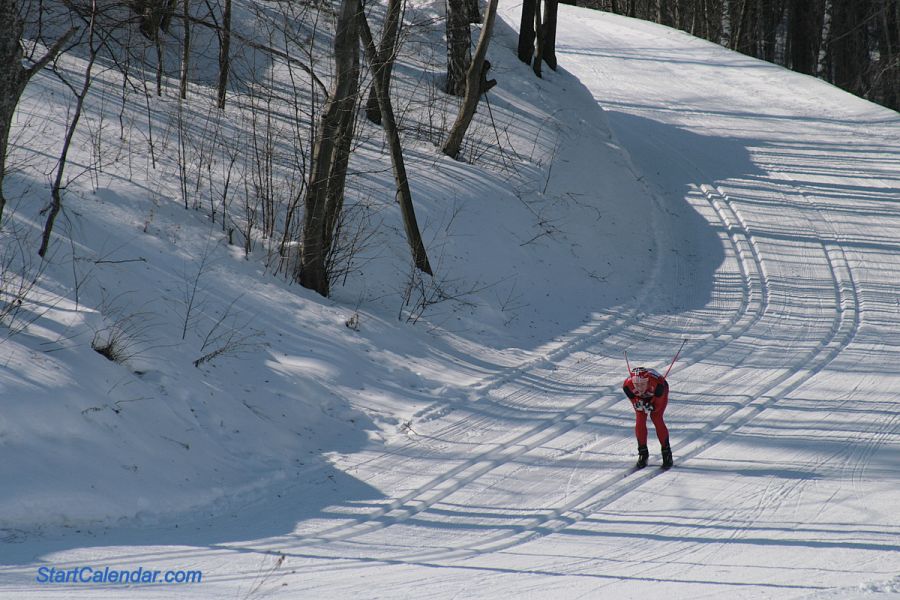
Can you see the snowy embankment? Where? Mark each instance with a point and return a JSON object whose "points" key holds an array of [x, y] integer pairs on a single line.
{"points": [[656, 188], [284, 377]]}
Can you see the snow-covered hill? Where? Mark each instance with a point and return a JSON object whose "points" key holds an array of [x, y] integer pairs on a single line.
{"points": [[655, 188]]}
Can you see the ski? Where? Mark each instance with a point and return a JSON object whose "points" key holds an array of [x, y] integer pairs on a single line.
{"points": [[635, 469]]}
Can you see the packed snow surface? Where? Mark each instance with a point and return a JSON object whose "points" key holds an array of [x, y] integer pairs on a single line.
{"points": [[656, 188]]}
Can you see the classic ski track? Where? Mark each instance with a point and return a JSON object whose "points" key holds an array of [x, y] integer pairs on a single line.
{"points": [[755, 294], [746, 251], [380, 517], [603, 493], [569, 344], [755, 291], [859, 455], [835, 255], [440, 409], [614, 487], [752, 307]]}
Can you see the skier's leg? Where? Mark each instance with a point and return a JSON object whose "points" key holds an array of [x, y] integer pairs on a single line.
{"points": [[643, 455], [640, 427], [640, 432], [659, 423], [662, 432], [667, 455]]}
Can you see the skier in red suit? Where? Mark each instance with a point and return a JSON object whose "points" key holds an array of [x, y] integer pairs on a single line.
{"points": [[649, 394]]}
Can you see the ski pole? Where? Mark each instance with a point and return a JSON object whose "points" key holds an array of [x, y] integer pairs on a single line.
{"points": [[676, 358], [627, 364]]}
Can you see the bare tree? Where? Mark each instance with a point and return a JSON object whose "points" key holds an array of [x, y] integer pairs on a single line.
{"points": [[474, 87], [331, 151], [725, 27], [850, 46], [887, 75], [459, 40], [378, 64], [538, 40], [80, 95], [472, 11], [825, 37], [551, 8], [801, 36], [537, 34], [387, 50], [185, 49], [224, 52], [14, 76], [526, 32], [154, 17]]}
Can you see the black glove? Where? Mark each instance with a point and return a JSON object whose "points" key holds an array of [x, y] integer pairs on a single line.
{"points": [[645, 405]]}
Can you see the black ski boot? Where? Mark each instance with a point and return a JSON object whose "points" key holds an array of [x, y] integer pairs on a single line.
{"points": [[667, 456], [643, 455]]}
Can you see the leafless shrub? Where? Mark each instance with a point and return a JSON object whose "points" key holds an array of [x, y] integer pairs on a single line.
{"points": [[423, 291], [127, 334], [353, 235], [229, 336], [20, 275], [191, 297]]}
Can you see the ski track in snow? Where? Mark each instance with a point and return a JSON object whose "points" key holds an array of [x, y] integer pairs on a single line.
{"points": [[750, 311], [468, 496]]}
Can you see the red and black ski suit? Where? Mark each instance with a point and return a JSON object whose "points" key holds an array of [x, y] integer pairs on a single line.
{"points": [[656, 394]]}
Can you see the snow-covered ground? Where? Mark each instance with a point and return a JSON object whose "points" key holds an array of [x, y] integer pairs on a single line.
{"points": [[657, 188]]}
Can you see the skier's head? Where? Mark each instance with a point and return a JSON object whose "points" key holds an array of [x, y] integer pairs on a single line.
{"points": [[640, 379]]}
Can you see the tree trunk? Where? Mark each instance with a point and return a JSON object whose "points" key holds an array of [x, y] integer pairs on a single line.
{"points": [[737, 42], [386, 51], [709, 21], [801, 31], [224, 53], [551, 8], [185, 50], [725, 28], [774, 21], [472, 11], [56, 190], [13, 76], [474, 78], [824, 42], [850, 46], [889, 54], [328, 167], [526, 32], [538, 40], [157, 43], [379, 62], [458, 41]]}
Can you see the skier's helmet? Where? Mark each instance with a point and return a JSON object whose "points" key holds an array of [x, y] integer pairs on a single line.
{"points": [[640, 379]]}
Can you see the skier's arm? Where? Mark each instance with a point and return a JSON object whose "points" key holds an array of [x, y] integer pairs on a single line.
{"points": [[661, 389], [628, 392]]}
